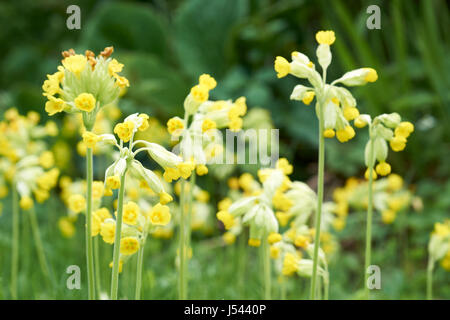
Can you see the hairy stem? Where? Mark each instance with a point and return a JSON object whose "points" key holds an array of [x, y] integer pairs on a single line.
{"points": [[430, 280], [369, 221], [140, 263], [118, 232], [39, 247], [15, 242], [89, 250], [97, 267], [182, 245], [319, 202]]}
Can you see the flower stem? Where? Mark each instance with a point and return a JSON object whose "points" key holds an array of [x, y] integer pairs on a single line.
{"points": [[89, 251], [97, 268], [241, 263], [266, 266], [283, 287], [369, 222], [39, 246], [15, 242], [182, 245], [430, 280], [118, 232], [319, 202], [140, 262]]}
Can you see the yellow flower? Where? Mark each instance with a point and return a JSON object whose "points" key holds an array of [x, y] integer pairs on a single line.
{"points": [[26, 203], [339, 224], [165, 198], [120, 265], [233, 183], [185, 169], [235, 124], [395, 182], [359, 122], [200, 93], [442, 230], [226, 218], [308, 97], [274, 237], [129, 245], [283, 218], [274, 252], [281, 202], [85, 102], [114, 67], [202, 170], [207, 81], [124, 130], [145, 123], [77, 203], [325, 37], [171, 174], [97, 189], [374, 174], [343, 135], [66, 227], [122, 82], [229, 237], [113, 182], [290, 264], [329, 133], [301, 241], [350, 113], [282, 67], [108, 231], [283, 165], [388, 216], [208, 124], [224, 204], [90, 139], [95, 225], [398, 143], [130, 213], [445, 262], [254, 242], [41, 195], [102, 214], [75, 63], [46, 159], [202, 196], [175, 125], [383, 168], [371, 75], [404, 129], [160, 215], [54, 105]]}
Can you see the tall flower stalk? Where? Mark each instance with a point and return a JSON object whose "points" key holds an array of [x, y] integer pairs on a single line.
{"points": [[438, 249], [382, 129], [335, 107], [15, 243], [84, 84]]}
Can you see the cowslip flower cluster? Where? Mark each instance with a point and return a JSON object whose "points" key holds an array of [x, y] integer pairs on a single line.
{"points": [[201, 140], [257, 210], [439, 245], [84, 84], [28, 162], [384, 128], [335, 104], [390, 197]]}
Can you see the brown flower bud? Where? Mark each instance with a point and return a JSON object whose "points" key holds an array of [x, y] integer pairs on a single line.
{"points": [[107, 52]]}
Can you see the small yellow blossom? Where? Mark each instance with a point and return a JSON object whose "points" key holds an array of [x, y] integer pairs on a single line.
{"points": [[129, 245], [85, 102], [329, 133], [90, 139], [207, 81], [26, 203], [282, 67], [202, 170], [254, 242], [77, 203], [200, 93], [130, 213], [160, 215], [75, 63], [226, 218], [383, 168], [165, 198], [108, 231], [229, 237], [274, 237], [325, 37], [124, 130], [46, 159], [113, 182]]}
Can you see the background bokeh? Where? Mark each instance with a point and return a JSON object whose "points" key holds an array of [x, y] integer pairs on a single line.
{"points": [[166, 45]]}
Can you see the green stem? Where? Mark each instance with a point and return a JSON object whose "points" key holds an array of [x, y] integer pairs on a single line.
{"points": [[241, 259], [39, 247], [182, 245], [283, 288], [369, 221], [140, 262], [430, 280], [97, 267], [319, 202], [89, 251], [118, 232], [266, 265], [15, 242]]}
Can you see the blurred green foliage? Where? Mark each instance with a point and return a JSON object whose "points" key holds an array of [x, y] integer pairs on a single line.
{"points": [[166, 45]]}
